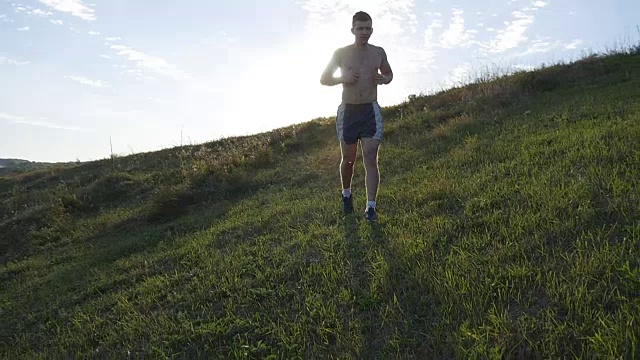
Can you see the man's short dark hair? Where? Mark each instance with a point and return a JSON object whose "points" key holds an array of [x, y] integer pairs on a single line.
{"points": [[360, 16]]}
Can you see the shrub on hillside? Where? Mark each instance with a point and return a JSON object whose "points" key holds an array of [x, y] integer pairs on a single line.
{"points": [[113, 187], [37, 179], [172, 201], [169, 202], [213, 159], [5, 185], [71, 203], [300, 137], [37, 226], [539, 81]]}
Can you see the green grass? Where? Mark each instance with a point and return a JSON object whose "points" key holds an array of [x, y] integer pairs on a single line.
{"points": [[509, 228]]}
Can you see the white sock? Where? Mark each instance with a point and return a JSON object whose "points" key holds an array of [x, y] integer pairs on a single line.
{"points": [[371, 204], [346, 192]]}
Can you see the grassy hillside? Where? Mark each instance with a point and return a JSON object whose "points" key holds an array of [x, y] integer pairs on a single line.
{"points": [[509, 228]]}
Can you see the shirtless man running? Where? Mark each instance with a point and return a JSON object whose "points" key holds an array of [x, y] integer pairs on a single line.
{"points": [[363, 67]]}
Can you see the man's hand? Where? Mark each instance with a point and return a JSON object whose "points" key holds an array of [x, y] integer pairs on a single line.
{"points": [[381, 79], [349, 77]]}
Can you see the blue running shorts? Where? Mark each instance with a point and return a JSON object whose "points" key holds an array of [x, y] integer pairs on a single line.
{"points": [[357, 121]]}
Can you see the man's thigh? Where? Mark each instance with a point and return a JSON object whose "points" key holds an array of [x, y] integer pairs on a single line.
{"points": [[370, 148], [348, 151]]}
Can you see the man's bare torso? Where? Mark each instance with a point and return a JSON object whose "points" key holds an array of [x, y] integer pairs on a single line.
{"points": [[365, 62]]}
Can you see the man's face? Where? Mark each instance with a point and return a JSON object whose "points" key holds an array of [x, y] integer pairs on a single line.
{"points": [[362, 31]]}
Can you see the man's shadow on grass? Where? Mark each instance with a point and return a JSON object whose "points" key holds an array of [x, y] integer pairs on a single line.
{"points": [[395, 312], [363, 239]]}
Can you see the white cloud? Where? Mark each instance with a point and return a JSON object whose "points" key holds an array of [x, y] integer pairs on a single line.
{"points": [[391, 17], [429, 32], [541, 46], [85, 81], [455, 35], [93, 33], [105, 56], [9, 61], [114, 113], [424, 55], [15, 119], [113, 38], [74, 7], [460, 74], [4, 18], [545, 45], [539, 4], [57, 22], [41, 13], [149, 62], [523, 67], [513, 34], [10, 117], [31, 11], [26, 28], [573, 45]]}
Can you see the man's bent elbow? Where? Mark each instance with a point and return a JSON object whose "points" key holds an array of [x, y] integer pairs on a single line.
{"points": [[327, 80]]}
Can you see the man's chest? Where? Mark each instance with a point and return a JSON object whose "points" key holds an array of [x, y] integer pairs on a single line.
{"points": [[369, 59]]}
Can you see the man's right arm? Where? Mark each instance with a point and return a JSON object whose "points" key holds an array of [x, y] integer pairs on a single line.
{"points": [[327, 77]]}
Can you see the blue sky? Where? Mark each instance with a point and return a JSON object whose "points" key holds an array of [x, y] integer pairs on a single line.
{"points": [[153, 74]]}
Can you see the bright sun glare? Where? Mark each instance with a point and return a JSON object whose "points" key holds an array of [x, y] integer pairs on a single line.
{"points": [[283, 87]]}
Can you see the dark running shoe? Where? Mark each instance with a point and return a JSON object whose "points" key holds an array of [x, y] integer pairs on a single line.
{"points": [[347, 204], [370, 214]]}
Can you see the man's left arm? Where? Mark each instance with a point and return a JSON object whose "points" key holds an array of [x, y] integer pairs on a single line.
{"points": [[385, 69]]}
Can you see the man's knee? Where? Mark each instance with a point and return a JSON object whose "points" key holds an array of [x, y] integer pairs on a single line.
{"points": [[348, 160], [370, 159]]}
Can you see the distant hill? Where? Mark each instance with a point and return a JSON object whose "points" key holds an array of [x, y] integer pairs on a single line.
{"points": [[12, 162], [508, 229], [11, 166]]}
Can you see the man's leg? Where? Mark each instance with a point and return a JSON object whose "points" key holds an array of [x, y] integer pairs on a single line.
{"points": [[346, 164], [372, 174]]}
